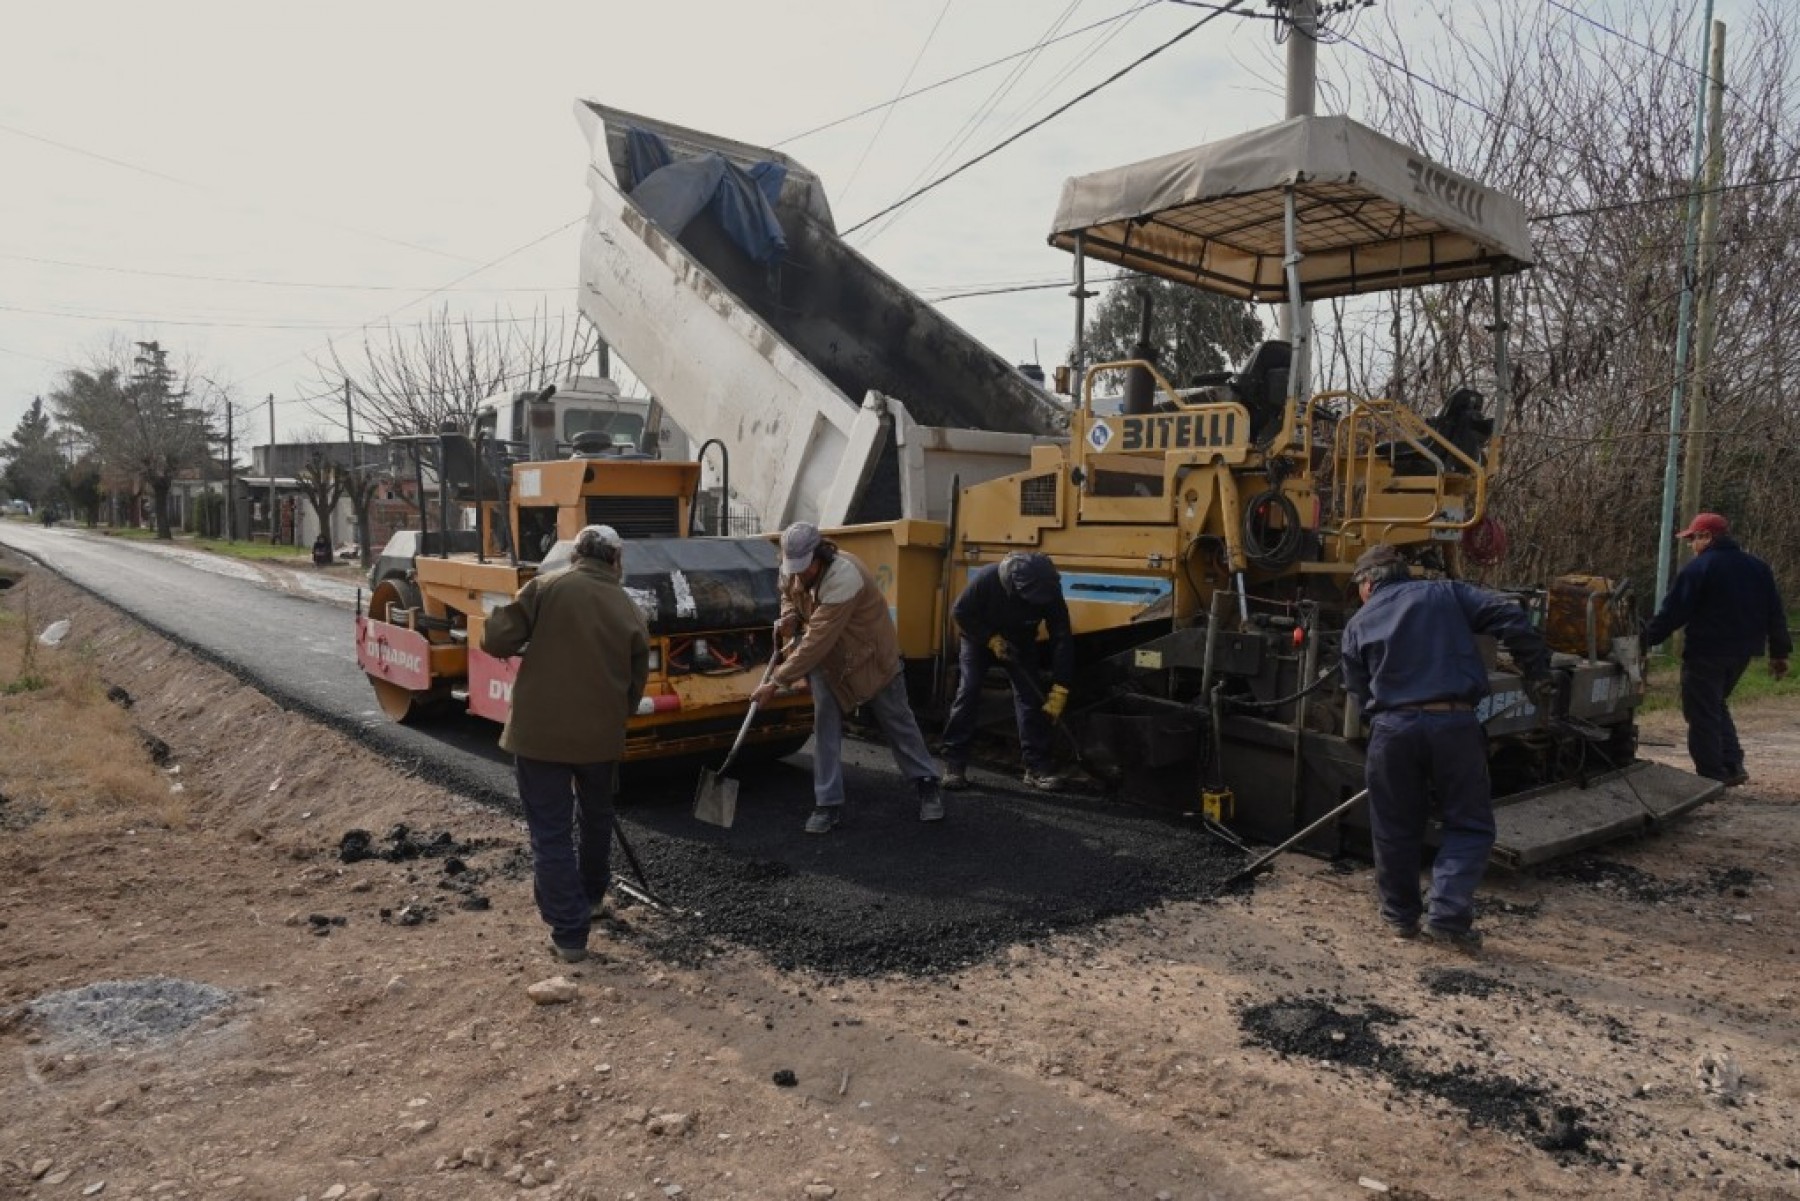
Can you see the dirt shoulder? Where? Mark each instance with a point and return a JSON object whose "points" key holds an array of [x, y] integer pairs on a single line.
{"points": [[1629, 1032]]}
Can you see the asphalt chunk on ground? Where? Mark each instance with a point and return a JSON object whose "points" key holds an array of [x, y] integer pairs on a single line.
{"points": [[885, 893], [1338, 1031], [1624, 879]]}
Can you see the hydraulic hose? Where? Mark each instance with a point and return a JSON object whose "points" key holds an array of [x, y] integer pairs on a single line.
{"points": [[1256, 529]]}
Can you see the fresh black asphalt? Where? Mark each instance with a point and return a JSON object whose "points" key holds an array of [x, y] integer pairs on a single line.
{"points": [[882, 893]]}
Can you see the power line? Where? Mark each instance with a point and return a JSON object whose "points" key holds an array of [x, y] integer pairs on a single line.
{"points": [[1644, 46], [888, 110], [1439, 88], [1007, 290], [1041, 122], [957, 78], [264, 283], [40, 358], [983, 112], [129, 166], [1771, 126], [1673, 198], [330, 327], [517, 250]]}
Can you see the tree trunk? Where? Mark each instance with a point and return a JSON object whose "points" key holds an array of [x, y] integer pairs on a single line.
{"points": [[159, 496], [362, 536]]}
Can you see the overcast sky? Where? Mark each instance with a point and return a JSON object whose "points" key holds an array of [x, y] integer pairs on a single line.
{"points": [[352, 158]]}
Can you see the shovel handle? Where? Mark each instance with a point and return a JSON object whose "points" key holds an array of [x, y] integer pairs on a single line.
{"points": [[750, 713], [1259, 864]]}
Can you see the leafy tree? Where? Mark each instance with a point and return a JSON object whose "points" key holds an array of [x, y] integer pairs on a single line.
{"points": [[1194, 332], [33, 466], [81, 484], [138, 421]]}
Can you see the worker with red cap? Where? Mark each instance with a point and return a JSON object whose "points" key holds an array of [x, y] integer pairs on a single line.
{"points": [[1727, 601]]}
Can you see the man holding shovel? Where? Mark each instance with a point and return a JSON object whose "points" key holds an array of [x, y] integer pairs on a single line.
{"points": [[586, 656], [850, 655], [1411, 659]]}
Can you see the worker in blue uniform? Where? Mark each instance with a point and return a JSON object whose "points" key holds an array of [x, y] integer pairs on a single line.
{"points": [[998, 616], [1410, 658], [1727, 600]]}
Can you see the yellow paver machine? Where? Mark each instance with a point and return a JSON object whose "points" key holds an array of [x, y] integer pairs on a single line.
{"points": [[1205, 530]]}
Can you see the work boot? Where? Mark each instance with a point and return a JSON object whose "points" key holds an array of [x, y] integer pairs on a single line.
{"points": [[824, 819], [1403, 932], [1466, 941], [931, 801], [1044, 781], [1736, 779], [568, 954], [955, 778], [602, 910]]}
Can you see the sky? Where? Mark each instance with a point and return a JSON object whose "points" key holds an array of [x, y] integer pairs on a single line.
{"points": [[248, 182]]}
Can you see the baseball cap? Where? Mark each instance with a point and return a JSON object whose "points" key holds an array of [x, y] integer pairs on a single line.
{"points": [[1374, 559], [799, 542], [598, 542], [1706, 523]]}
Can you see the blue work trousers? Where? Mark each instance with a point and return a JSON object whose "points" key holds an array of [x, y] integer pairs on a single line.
{"points": [[1418, 760], [892, 711], [973, 661], [569, 812], [1712, 736]]}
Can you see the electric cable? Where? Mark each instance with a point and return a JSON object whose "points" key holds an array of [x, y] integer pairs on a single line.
{"points": [[974, 121], [1045, 120], [1244, 703], [888, 110], [962, 75]]}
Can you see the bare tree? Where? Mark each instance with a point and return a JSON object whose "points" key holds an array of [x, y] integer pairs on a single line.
{"points": [[1593, 129], [426, 376]]}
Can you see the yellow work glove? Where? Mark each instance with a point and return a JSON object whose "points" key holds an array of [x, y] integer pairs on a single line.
{"points": [[1055, 702], [1000, 648]]}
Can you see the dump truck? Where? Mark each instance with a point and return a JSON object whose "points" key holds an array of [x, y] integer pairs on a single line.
{"points": [[509, 510], [1205, 533]]}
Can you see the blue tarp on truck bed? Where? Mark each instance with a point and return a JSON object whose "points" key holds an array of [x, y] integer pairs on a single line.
{"points": [[673, 193]]}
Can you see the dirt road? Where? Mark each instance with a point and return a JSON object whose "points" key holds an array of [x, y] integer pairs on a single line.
{"points": [[326, 1028]]}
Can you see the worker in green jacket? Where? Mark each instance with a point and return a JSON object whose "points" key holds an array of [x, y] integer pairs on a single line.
{"points": [[586, 655]]}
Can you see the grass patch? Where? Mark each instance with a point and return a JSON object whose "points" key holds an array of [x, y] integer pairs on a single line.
{"points": [[253, 551], [65, 750], [1664, 689]]}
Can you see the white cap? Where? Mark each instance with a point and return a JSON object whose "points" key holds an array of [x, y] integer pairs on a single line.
{"points": [[598, 542], [799, 543]]}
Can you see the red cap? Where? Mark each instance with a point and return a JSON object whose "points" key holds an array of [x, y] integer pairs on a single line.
{"points": [[1706, 523]]}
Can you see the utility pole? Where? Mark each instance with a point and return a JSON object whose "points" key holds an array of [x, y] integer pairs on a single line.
{"points": [[1665, 528], [1694, 453], [1295, 320], [230, 473]]}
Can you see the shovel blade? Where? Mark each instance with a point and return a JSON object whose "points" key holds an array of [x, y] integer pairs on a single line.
{"points": [[715, 802]]}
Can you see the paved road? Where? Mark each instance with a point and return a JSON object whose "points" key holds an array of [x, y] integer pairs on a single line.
{"points": [[297, 650], [884, 893]]}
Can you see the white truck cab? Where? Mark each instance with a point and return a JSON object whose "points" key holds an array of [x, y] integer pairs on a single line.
{"points": [[583, 404]]}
